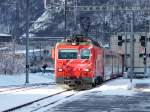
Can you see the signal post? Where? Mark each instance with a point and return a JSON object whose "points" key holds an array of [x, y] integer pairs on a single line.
{"points": [[143, 41]]}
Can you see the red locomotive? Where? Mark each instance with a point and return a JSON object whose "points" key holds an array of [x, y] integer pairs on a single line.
{"points": [[80, 60]]}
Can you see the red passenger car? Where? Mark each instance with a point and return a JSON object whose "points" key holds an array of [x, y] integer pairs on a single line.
{"points": [[80, 61]]}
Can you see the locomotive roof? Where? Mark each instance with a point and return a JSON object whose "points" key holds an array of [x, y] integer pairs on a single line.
{"points": [[80, 41]]}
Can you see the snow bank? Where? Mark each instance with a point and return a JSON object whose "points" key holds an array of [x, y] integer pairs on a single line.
{"points": [[122, 87], [115, 87], [6, 80]]}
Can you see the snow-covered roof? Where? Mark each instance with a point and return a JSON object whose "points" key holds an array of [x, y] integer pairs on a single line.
{"points": [[106, 46], [30, 51], [4, 35], [36, 38], [3, 48], [30, 35]]}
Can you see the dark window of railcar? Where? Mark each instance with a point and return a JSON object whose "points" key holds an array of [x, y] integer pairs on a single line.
{"points": [[84, 53], [67, 54]]}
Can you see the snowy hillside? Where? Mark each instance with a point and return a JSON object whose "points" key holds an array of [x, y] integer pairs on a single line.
{"points": [[102, 23], [51, 22], [12, 18]]}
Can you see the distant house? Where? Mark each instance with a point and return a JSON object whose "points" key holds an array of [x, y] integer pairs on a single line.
{"points": [[5, 37], [32, 37]]}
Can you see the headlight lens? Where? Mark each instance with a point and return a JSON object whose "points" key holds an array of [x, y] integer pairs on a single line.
{"points": [[59, 70], [87, 70]]}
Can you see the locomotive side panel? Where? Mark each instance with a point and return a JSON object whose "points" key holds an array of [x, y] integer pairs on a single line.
{"points": [[98, 62], [121, 65], [108, 65], [115, 65]]}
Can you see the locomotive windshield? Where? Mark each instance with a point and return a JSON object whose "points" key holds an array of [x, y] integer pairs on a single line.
{"points": [[67, 54], [84, 53]]}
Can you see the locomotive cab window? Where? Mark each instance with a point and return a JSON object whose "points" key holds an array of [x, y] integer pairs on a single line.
{"points": [[85, 53], [67, 54]]}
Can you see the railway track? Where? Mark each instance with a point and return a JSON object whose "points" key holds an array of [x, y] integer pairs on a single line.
{"points": [[47, 103], [8, 89], [44, 102]]}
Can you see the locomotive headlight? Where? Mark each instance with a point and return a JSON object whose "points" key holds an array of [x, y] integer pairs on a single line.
{"points": [[59, 70], [87, 70], [73, 43]]}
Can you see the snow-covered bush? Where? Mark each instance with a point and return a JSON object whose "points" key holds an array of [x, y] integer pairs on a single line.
{"points": [[10, 63]]}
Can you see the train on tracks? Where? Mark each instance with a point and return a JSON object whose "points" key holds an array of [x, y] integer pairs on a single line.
{"points": [[80, 60]]}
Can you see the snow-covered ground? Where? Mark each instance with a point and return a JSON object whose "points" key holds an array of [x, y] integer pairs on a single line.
{"points": [[6, 80], [12, 98], [118, 86], [115, 87]]}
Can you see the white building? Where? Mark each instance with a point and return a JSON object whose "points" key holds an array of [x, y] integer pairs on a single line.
{"points": [[138, 49]]}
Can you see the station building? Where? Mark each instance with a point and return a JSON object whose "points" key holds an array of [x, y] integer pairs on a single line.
{"points": [[138, 49]]}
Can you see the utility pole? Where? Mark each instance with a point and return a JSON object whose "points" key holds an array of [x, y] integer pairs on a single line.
{"points": [[65, 19], [15, 31], [145, 54], [45, 2], [75, 12], [125, 62], [27, 41], [132, 47], [145, 57], [143, 40], [125, 30]]}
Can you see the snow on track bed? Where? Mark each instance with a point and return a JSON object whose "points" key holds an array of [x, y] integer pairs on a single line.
{"points": [[22, 98], [7, 89], [46, 103], [42, 102], [14, 99]]}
